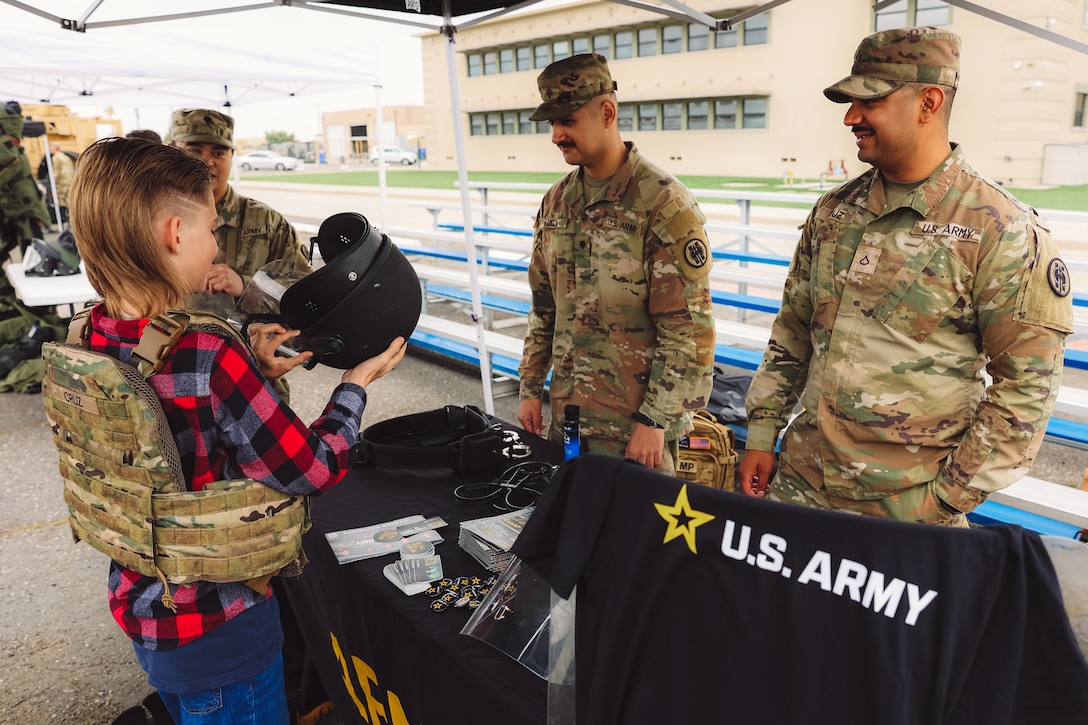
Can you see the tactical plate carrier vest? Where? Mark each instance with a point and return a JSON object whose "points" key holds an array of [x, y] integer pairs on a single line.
{"points": [[123, 479]]}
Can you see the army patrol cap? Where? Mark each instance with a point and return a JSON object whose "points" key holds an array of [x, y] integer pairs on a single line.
{"points": [[201, 125], [567, 85], [888, 60]]}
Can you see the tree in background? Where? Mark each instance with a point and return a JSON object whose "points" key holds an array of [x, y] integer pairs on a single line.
{"points": [[271, 137]]}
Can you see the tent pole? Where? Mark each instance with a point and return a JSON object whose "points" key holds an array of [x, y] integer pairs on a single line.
{"points": [[52, 181], [381, 154], [466, 211]]}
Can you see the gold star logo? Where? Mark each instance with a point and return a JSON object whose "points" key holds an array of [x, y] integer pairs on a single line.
{"points": [[682, 519]]}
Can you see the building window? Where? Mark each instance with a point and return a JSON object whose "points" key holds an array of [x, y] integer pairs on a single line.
{"points": [[602, 44], [755, 113], [625, 42], [1079, 105], [506, 60], [475, 65], [698, 37], [560, 50], [647, 42], [697, 115], [524, 58], [647, 117], [541, 56], [581, 45], [907, 13], [672, 116], [491, 63], [725, 114], [625, 117], [893, 16], [931, 12], [755, 30], [725, 38], [672, 39]]}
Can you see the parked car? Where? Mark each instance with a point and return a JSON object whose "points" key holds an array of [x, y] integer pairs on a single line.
{"points": [[393, 155], [266, 160]]}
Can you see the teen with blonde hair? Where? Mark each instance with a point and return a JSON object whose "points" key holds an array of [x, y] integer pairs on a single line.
{"points": [[143, 214]]}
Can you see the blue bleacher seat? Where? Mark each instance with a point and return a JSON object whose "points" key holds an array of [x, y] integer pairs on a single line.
{"points": [[488, 230]]}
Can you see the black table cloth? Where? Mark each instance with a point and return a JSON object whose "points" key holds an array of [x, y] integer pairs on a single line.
{"points": [[383, 656]]}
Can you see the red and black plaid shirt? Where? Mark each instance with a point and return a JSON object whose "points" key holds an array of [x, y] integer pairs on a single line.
{"points": [[228, 423]]}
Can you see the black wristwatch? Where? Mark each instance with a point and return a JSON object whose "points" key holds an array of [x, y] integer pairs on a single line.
{"points": [[646, 420]]}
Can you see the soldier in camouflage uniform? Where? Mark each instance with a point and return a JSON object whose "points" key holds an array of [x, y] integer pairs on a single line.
{"points": [[63, 170], [621, 309], [22, 211], [250, 233], [908, 283], [22, 216]]}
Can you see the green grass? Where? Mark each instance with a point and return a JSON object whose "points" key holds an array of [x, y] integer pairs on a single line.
{"points": [[409, 178], [1074, 198]]}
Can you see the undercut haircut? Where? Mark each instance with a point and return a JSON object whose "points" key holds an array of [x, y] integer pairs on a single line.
{"points": [[120, 187]]}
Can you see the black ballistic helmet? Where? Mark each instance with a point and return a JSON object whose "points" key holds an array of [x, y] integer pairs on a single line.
{"points": [[366, 295]]}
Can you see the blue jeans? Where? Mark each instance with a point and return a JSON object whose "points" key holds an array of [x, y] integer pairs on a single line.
{"points": [[257, 700]]}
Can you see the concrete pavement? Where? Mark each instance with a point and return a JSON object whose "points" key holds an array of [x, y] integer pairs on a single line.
{"points": [[62, 658]]}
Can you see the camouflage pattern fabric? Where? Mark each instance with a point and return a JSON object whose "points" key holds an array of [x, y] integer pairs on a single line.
{"points": [[201, 125], [621, 303], [670, 452], [251, 234], [25, 378], [567, 85], [21, 203], [15, 319], [888, 318], [63, 172], [124, 486], [886, 61]]}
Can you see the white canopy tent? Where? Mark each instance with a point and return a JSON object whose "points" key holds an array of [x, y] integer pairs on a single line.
{"points": [[446, 16], [153, 69], [149, 68]]}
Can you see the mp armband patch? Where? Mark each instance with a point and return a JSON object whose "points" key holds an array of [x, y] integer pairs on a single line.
{"points": [[1046, 300], [1057, 275]]}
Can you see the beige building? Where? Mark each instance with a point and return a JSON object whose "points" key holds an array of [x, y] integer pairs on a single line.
{"points": [[352, 135], [748, 102]]}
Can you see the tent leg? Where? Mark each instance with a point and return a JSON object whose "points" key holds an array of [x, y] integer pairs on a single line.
{"points": [[466, 211]]}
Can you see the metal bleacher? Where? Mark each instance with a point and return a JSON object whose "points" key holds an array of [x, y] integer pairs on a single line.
{"points": [[746, 291]]}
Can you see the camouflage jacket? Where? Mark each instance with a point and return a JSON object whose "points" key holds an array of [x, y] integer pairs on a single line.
{"points": [[251, 234], [63, 171], [621, 302], [20, 198], [889, 318]]}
